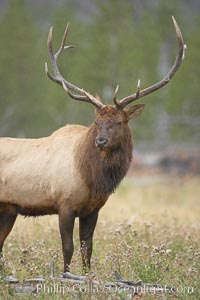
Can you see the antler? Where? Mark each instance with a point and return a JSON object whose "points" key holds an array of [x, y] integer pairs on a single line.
{"points": [[58, 78], [141, 93]]}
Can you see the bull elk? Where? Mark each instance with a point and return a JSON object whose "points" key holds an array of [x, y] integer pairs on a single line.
{"points": [[73, 171]]}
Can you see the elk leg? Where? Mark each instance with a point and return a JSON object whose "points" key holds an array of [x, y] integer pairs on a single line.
{"points": [[66, 224], [8, 216], [86, 230]]}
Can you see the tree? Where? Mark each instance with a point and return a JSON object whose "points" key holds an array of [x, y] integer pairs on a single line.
{"points": [[19, 76]]}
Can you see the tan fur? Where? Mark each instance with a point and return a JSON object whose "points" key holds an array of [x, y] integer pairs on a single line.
{"points": [[41, 172], [70, 173]]}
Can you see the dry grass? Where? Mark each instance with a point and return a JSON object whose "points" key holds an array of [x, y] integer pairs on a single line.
{"points": [[148, 230]]}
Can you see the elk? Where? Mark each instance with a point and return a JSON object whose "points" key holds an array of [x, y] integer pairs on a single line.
{"points": [[73, 171]]}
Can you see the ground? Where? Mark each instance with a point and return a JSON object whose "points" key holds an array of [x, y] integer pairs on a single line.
{"points": [[148, 230]]}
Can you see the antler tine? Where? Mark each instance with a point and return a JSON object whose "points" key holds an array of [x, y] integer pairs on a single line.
{"points": [[87, 98], [62, 46], [179, 58], [58, 78], [138, 89], [53, 57], [115, 95], [51, 76], [50, 48]]}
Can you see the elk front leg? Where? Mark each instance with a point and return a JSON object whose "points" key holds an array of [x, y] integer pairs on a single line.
{"points": [[86, 230], [66, 224]]}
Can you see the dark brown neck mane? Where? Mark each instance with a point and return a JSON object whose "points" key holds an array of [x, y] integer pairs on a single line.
{"points": [[103, 170]]}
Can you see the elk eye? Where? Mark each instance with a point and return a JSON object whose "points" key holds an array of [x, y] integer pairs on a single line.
{"points": [[96, 123], [119, 123]]}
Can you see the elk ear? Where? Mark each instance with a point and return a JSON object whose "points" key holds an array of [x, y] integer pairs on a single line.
{"points": [[134, 111]]}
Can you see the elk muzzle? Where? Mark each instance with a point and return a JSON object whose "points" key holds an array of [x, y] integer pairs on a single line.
{"points": [[101, 142]]}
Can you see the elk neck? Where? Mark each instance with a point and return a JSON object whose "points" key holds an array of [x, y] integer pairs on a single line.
{"points": [[103, 170]]}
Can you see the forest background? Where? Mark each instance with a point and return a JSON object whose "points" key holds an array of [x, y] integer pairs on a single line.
{"points": [[116, 42]]}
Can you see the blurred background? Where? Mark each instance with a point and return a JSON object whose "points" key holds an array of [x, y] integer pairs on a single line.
{"points": [[116, 42]]}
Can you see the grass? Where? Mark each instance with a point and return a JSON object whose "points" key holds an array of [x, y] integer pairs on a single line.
{"points": [[146, 231]]}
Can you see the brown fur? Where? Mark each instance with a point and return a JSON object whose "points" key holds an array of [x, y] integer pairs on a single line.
{"points": [[103, 170], [70, 173]]}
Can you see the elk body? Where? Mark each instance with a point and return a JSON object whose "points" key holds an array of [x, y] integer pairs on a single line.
{"points": [[73, 171]]}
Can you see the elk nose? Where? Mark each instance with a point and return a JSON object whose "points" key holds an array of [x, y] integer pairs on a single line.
{"points": [[101, 142]]}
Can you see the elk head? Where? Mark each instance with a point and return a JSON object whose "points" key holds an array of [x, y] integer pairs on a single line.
{"points": [[111, 125], [111, 120]]}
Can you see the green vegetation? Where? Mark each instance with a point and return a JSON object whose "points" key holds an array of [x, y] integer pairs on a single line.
{"points": [[151, 232], [148, 233], [114, 45]]}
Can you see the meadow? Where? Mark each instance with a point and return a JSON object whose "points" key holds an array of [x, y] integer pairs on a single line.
{"points": [[149, 230]]}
